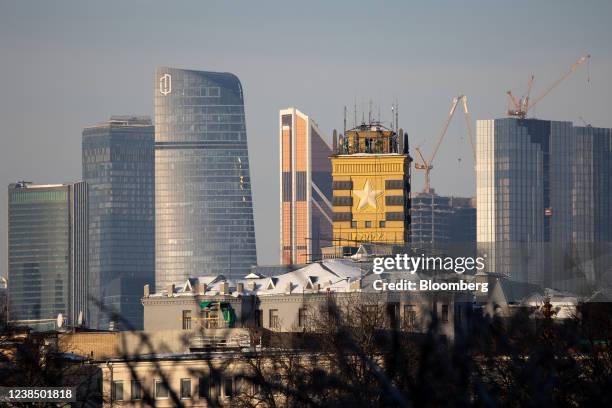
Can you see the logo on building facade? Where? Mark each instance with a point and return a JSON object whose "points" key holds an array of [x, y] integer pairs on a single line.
{"points": [[165, 84], [368, 196]]}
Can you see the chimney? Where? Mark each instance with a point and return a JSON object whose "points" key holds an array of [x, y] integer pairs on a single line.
{"points": [[204, 288], [225, 288], [251, 286], [146, 290], [240, 287], [289, 287], [170, 289], [335, 141], [197, 288]]}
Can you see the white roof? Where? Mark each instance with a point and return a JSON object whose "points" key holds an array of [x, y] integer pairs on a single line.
{"points": [[335, 275]]}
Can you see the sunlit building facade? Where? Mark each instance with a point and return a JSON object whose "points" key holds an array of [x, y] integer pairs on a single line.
{"points": [[305, 184], [203, 205], [371, 187]]}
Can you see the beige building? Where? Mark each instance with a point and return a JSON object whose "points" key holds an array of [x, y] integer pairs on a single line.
{"points": [[291, 302]]}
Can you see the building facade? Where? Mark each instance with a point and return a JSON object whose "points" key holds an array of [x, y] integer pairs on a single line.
{"points": [[371, 187], [305, 184], [543, 189], [215, 307], [48, 251], [118, 166], [443, 222], [204, 210]]}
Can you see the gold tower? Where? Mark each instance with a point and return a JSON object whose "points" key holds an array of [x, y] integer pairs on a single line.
{"points": [[371, 187]]}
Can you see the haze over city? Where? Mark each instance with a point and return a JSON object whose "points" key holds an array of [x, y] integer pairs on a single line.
{"points": [[67, 65]]}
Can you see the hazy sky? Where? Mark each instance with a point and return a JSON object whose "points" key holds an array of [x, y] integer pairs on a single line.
{"points": [[68, 64]]}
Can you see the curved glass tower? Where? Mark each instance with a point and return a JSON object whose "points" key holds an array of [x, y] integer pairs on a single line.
{"points": [[203, 206]]}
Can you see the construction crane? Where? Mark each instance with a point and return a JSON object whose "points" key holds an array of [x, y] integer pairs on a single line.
{"points": [[427, 165], [520, 107]]}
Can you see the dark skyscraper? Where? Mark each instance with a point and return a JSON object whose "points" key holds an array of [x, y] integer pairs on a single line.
{"points": [[118, 166], [47, 239], [204, 212]]}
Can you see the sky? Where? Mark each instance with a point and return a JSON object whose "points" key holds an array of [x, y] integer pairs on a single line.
{"points": [[65, 65]]}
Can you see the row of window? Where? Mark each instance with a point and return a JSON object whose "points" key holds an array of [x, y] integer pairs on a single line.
{"points": [[368, 224], [207, 386], [409, 317]]}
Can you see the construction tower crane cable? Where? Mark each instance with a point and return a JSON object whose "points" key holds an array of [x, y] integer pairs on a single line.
{"points": [[522, 106], [427, 165]]}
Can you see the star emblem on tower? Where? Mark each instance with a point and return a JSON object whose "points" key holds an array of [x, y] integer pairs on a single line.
{"points": [[368, 196]]}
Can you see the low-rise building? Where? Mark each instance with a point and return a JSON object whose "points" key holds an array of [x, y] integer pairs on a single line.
{"points": [[295, 301]]}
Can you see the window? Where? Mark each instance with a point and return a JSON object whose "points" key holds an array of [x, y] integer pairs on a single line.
{"points": [[393, 313], [302, 317], [228, 387], [185, 388], [409, 317], [204, 388], [368, 224], [136, 390], [274, 318], [258, 318], [186, 319], [353, 224], [161, 392], [216, 384], [382, 224], [444, 317], [117, 391]]}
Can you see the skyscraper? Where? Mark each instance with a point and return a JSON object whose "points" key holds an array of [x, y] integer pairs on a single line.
{"points": [[118, 166], [204, 211], [543, 192], [47, 238], [305, 179]]}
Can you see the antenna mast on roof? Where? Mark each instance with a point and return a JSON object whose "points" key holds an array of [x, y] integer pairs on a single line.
{"points": [[396, 116]]}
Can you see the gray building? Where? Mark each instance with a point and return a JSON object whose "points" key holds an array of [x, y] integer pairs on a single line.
{"points": [[47, 239], [443, 222], [118, 166], [543, 201], [204, 211]]}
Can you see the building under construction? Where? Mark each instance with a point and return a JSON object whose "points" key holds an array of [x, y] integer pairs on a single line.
{"points": [[438, 222]]}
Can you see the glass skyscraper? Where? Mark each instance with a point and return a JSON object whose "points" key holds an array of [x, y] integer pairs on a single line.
{"points": [[543, 196], [305, 184], [47, 251], [118, 166], [204, 211]]}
